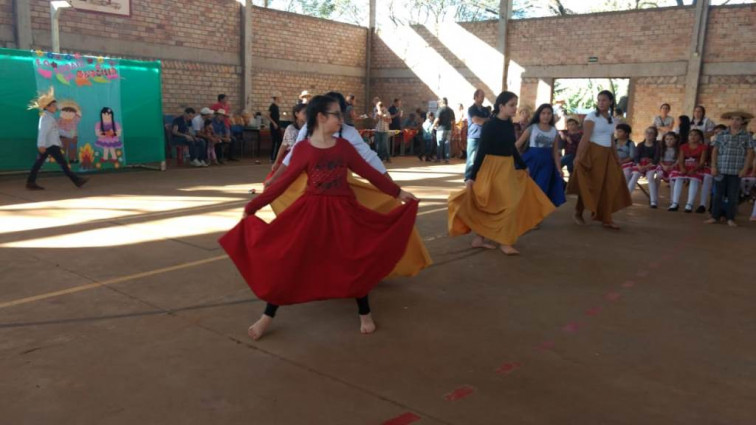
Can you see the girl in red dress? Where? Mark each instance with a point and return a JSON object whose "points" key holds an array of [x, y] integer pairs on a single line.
{"points": [[690, 165], [325, 245]]}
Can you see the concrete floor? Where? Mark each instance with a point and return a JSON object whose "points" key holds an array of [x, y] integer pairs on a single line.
{"points": [[118, 307]]}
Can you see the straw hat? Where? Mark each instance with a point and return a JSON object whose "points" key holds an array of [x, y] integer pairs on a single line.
{"points": [[43, 100], [221, 112], [206, 111], [304, 94], [745, 115]]}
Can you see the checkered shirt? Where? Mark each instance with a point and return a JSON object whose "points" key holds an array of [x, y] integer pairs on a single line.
{"points": [[732, 150]]}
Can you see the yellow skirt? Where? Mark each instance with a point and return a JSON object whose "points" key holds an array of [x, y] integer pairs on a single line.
{"points": [[415, 258], [599, 183], [503, 204]]}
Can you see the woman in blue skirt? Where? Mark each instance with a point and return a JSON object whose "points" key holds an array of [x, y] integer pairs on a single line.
{"points": [[542, 154]]}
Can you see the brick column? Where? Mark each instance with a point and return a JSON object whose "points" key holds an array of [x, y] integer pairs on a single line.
{"points": [[505, 14], [695, 59], [23, 24], [246, 55], [368, 56]]}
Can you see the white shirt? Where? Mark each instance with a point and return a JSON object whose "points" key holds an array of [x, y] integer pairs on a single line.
{"points": [[603, 131], [48, 134], [352, 136], [198, 123], [706, 127]]}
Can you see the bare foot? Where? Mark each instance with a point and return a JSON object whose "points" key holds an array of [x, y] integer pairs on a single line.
{"points": [[367, 325], [479, 242], [711, 221], [257, 330], [731, 223], [611, 225], [509, 250], [578, 217]]}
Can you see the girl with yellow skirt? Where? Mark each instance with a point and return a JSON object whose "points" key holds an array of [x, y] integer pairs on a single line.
{"points": [[500, 201], [597, 178]]}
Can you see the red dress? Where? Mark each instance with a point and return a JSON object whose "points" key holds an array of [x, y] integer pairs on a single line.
{"points": [[691, 159], [325, 245]]}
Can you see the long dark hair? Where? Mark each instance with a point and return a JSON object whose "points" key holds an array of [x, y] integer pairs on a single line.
{"points": [[700, 135], [109, 111], [537, 115], [295, 110], [610, 95], [502, 99], [317, 105], [703, 114], [684, 128]]}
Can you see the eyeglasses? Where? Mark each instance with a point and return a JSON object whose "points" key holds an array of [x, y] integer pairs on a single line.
{"points": [[336, 114]]}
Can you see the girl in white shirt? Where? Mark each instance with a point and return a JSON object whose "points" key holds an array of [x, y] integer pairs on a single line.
{"points": [[598, 180]]}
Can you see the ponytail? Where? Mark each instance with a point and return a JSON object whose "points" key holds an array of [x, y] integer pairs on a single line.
{"points": [[502, 99], [610, 95]]}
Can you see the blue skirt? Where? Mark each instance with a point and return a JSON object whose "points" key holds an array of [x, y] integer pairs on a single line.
{"points": [[543, 170]]}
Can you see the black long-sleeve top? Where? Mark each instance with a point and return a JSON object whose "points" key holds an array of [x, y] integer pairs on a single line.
{"points": [[652, 152], [497, 138]]}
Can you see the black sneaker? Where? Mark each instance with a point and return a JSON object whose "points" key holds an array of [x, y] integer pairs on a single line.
{"points": [[688, 209], [701, 209], [34, 186], [81, 182], [673, 208], [653, 206]]}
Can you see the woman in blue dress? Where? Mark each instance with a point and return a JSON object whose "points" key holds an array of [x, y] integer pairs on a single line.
{"points": [[542, 154]]}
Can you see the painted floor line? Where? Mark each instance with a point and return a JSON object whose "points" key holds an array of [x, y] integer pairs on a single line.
{"points": [[135, 276], [109, 282]]}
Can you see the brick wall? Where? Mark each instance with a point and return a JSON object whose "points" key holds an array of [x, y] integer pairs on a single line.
{"points": [[198, 24], [720, 94], [288, 85], [196, 85], [730, 35], [284, 35], [649, 94], [651, 35], [6, 12]]}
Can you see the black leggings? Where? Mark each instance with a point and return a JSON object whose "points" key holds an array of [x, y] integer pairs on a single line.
{"points": [[363, 307], [55, 152]]}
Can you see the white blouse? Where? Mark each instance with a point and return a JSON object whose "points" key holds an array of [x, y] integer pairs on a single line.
{"points": [[603, 130]]}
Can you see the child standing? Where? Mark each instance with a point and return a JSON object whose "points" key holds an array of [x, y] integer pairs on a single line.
{"points": [[571, 142], [428, 138], [732, 154], [689, 168], [625, 150], [646, 162], [543, 156], [340, 248]]}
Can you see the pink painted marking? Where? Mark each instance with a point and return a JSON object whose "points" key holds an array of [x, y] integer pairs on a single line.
{"points": [[628, 284], [572, 327], [593, 311], [405, 419], [507, 368], [546, 345], [612, 296], [460, 393]]}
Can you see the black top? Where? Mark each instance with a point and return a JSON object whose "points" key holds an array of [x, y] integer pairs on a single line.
{"points": [[395, 122], [445, 118], [497, 138], [182, 124], [643, 151], [275, 115]]}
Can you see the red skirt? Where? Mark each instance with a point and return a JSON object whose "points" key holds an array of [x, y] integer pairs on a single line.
{"points": [[321, 247], [644, 162], [664, 175], [689, 166]]}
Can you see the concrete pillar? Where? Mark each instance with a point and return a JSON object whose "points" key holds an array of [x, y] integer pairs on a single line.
{"points": [[505, 14], [368, 56], [695, 58], [544, 91], [246, 55], [23, 25]]}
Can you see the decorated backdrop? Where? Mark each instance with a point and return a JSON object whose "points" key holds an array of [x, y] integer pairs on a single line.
{"points": [[109, 110], [88, 90]]}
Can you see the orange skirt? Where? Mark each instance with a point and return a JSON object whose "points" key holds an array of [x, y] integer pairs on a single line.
{"points": [[599, 183], [415, 257], [503, 204]]}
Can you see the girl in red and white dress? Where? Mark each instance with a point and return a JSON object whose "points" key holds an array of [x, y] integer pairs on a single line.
{"points": [[670, 149], [325, 245], [690, 165], [747, 185]]}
